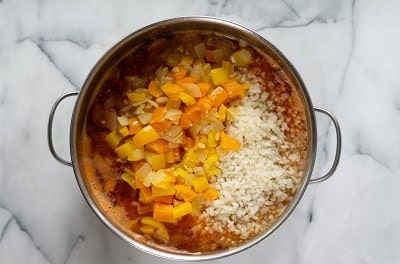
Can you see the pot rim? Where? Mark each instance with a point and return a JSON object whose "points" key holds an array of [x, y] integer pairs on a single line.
{"points": [[202, 23]]}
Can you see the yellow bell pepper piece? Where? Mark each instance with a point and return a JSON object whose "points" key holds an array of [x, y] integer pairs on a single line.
{"points": [[241, 58], [145, 195], [200, 184], [156, 161], [160, 232], [146, 229], [187, 99], [147, 220], [145, 135], [124, 131], [222, 112], [124, 150], [190, 159], [211, 140], [182, 209], [113, 139], [219, 76], [137, 154], [210, 162], [157, 191], [139, 95]]}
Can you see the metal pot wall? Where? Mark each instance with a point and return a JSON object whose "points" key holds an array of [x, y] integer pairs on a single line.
{"points": [[207, 24]]}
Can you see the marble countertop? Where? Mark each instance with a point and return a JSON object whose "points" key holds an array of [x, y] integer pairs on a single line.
{"points": [[346, 51]]}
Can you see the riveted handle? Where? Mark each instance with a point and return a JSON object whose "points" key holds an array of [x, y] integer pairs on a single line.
{"points": [[338, 146], [50, 128]]}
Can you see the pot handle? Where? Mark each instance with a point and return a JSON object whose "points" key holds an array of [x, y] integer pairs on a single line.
{"points": [[338, 146], [50, 128]]}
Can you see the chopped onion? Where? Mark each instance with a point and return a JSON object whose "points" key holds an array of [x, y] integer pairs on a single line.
{"points": [[200, 50], [154, 177], [123, 120], [174, 135], [136, 82], [241, 58], [152, 103], [199, 171], [110, 119], [213, 127], [145, 118], [143, 171], [162, 100], [192, 89], [218, 55], [174, 59], [161, 72], [173, 131], [173, 114], [165, 79], [110, 102], [194, 130], [140, 109]]}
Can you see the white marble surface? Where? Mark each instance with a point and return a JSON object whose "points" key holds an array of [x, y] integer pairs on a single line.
{"points": [[346, 51]]}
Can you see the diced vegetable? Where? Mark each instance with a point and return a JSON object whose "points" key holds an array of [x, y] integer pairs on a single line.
{"points": [[113, 139], [200, 184], [186, 98], [211, 194], [124, 150], [170, 190], [139, 95], [162, 212], [145, 195], [219, 76], [154, 89], [145, 135], [129, 177], [228, 142], [182, 209], [186, 192], [190, 159], [218, 96], [136, 155], [241, 58]]}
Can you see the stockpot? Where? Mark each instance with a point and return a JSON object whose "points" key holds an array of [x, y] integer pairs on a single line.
{"points": [[133, 41]]}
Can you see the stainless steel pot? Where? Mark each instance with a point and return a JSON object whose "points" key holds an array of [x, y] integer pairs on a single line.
{"points": [[222, 27]]}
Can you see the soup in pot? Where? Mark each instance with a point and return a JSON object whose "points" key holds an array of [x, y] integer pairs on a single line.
{"points": [[195, 141]]}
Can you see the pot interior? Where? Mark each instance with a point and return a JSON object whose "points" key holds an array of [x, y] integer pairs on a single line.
{"points": [[104, 68]]}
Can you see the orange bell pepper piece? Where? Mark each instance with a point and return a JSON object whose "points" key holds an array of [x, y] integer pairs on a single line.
{"points": [[234, 89], [218, 96], [162, 212], [185, 192], [154, 89], [204, 88], [159, 146], [178, 72], [228, 142]]}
